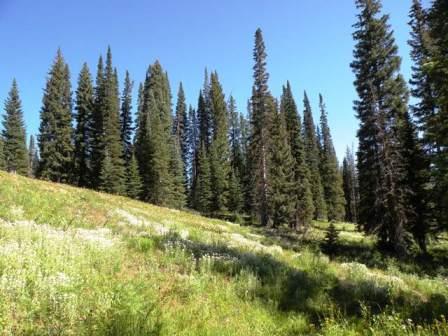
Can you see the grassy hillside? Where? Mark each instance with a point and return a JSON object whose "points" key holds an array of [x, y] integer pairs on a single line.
{"points": [[78, 262]]}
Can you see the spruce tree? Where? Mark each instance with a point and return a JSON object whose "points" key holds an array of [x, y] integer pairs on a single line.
{"points": [[304, 208], [134, 181], [159, 159], [421, 44], [202, 193], [84, 127], [55, 131], [180, 131], [219, 151], [331, 176], [350, 186], [312, 157], [33, 157], [14, 147], [112, 144], [193, 138], [97, 141], [126, 128], [383, 162], [261, 120], [281, 196], [437, 70]]}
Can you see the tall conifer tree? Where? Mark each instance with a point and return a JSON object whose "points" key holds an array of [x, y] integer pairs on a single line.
{"points": [[331, 176], [282, 197], [56, 131], [350, 185], [14, 137], [112, 145], [312, 156], [126, 127], [386, 205], [33, 157], [261, 120], [437, 70], [304, 208], [84, 127], [219, 149]]}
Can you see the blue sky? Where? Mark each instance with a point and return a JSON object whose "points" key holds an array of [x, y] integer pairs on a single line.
{"points": [[308, 42]]}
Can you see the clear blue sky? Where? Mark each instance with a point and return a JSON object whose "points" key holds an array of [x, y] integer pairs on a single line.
{"points": [[309, 42]]}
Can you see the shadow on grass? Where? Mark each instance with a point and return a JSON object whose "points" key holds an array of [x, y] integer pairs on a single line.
{"points": [[315, 291], [372, 255]]}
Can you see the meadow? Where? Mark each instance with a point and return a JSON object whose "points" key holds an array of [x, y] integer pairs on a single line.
{"points": [[79, 262]]}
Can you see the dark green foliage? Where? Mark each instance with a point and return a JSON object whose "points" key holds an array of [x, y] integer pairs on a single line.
{"points": [[261, 120], [112, 145], [97, 141], [237, 157], [126, 128], [312, 157], [193, 137], [350, 185], [84, 126], [425, 108], [202, 192], [55, 131], [437, 70], [282, 198], [15, 153], [235, 198], [304, 207], [219, 151], [33, 157], [329, 167], [329, 245], [383, 162], [134, 181], [158, 156], [2, 154], [181, 128]]}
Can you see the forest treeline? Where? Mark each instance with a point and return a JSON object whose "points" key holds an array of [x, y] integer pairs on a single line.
{"points": [[273, 165]]}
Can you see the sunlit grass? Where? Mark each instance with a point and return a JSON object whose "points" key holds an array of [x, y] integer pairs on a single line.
{"points": [[78, 262]]}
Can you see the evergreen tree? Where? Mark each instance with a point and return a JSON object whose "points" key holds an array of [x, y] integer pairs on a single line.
{"points": [[331, 176], [55, 131], [261, 120], [193, 138], [281, 189], [202, 193], [14, 147], [84, 127], [331, 239], [420, 43], [304, 208], [383, 161], [437, 70], [112, 145], [134, 182], [312, 157], [159, 159], [33, 157], [350, 185], [219, 148], [180, 131], [126, 119], [97, 141]]}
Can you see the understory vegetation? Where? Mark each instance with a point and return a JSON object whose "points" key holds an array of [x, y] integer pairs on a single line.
{"points": [[79, 262]]}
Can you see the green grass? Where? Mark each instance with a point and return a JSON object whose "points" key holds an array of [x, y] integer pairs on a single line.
{"points": [[78, 262]]}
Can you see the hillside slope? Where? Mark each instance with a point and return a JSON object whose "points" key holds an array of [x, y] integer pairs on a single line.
{"points": [[78, 262]]}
